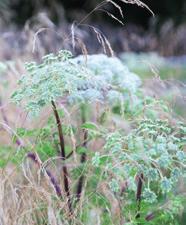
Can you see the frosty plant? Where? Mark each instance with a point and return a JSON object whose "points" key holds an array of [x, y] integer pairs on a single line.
{"points": [[55, 77], [58, 78], [45, 83], [152, 154], [140, 165]]}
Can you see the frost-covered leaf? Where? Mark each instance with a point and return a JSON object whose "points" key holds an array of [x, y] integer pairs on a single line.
{"points": [[111, 69], [166, 185], [149, 196]]}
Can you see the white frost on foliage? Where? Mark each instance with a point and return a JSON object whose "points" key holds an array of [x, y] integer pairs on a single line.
{"points": [[112, 69], [99, 78]]}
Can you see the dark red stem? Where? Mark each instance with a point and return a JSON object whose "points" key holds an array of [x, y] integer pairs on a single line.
{"points": [[62, 151], [150, 217], [83, 160], [83, 157], [138, 194]]}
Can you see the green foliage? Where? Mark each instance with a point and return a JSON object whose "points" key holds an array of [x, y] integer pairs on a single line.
{"points": [[153, 148]]}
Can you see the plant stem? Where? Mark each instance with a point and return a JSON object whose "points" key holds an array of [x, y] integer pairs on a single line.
{"points": [[62, 148], [81, 179], [150, 217], [138, 194], [83, 156]]}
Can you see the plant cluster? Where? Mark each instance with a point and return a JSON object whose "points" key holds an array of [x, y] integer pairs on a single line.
{"points": [[138, 166], [99, 78], [154, 149]]}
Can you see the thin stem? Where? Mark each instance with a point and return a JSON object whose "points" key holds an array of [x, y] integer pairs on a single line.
{"points": [[62, 151], [150, 216], [138, 194], [81, 179], [83, 157], [60, 132], [77, 146]]}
